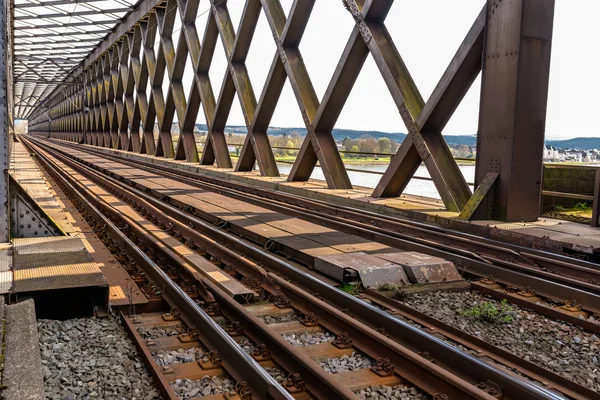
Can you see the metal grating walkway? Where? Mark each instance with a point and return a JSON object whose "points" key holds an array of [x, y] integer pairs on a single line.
{"points": [[53, 263]]}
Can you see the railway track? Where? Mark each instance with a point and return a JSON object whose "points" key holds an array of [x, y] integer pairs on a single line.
{"points": [[522, 276], [209, 240]]}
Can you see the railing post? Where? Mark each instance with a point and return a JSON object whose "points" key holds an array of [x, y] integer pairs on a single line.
{"points": [[596, 204], [512, 114]]}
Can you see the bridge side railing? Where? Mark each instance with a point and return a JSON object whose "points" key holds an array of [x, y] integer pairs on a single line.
{"points": [[583, 186]]}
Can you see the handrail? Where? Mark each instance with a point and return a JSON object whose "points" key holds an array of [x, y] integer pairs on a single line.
{"points": [[594, 198]]}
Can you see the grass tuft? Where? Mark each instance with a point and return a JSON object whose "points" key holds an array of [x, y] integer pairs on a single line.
{"points": [[351, 289], [490, 312]]}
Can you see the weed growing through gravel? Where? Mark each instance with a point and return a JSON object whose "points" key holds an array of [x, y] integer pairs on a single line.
{"points": [[384, 287], [490, 312], [350, 289], [397, 293]]}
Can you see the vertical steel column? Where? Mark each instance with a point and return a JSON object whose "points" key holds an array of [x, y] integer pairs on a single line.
{"points": [[4, 120], [512, 114], [596, 204]]}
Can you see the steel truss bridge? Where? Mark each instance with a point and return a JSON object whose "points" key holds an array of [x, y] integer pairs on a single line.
{"points": [[93, 74]]}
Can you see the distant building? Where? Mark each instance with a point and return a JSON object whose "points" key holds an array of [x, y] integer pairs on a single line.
{"points": [[551, 153]]}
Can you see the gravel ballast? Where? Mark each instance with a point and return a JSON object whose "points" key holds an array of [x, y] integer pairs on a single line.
{"points": [[346, 363], [562, 348], [280, 318], [160, 332], [180, 356], [398, 392], [187, 389], [309, 338], [92, 358]]}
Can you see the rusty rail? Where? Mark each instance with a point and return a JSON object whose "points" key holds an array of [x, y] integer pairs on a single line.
{"points": [[236, 361]]}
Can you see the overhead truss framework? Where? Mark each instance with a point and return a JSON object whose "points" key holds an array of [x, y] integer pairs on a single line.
{"points": [[51, 38], [132, 86]]}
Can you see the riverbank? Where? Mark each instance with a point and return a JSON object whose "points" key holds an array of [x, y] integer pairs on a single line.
{"points": [[356, 161]]}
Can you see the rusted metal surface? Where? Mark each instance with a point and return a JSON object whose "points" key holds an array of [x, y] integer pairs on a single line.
{"points": [[316, 379], [373, 271], [159, 379], [478, 197], [28, 218], [514, 91], [421, 268], [285, 354]]}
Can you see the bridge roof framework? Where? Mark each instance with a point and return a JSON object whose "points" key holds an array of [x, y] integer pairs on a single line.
{"points": [[51, 37]]}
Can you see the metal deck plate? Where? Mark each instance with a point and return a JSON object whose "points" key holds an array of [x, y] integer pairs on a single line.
{"points": [[373, 271], [53, 263], [421, 268]]}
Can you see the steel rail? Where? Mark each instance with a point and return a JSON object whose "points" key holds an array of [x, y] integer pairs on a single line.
{"points": [[481, 246], [527, 368], [404, 333], [235, 360], [544, 283], [421, 372]]}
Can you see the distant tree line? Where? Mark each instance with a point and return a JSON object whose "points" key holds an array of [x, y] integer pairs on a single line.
{"points": [[288, 143], [368, 144]]}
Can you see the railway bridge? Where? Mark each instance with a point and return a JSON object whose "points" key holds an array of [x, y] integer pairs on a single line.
{"points": [[146, 254]]}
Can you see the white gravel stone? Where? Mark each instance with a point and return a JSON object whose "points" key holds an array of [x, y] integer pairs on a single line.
{"points": [[246, 344], [166, 357], [160, 332], [187, 389], [277, 373], [91, 358], [309, 338], [398, 392], [346, 363], [560, 347], [279, 318]]}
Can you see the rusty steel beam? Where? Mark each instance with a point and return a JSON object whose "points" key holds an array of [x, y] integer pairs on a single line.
{"points": [[512, 114], [427, 144], [288, 33]]}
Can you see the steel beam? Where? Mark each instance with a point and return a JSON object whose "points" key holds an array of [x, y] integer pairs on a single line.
{"points": [[143, 8], [512, 114], [66, 25], [5, 117], [44, 81], [426, 143], [73, 14], [53, 3]]}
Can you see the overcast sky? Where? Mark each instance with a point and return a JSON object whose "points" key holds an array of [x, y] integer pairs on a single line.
{"points": [[427, 33]]}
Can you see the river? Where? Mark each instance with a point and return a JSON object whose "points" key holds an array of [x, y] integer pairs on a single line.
{"points": [[416, 186]]}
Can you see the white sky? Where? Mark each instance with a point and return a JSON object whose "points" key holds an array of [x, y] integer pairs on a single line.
{"points": [[427, 33]]}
